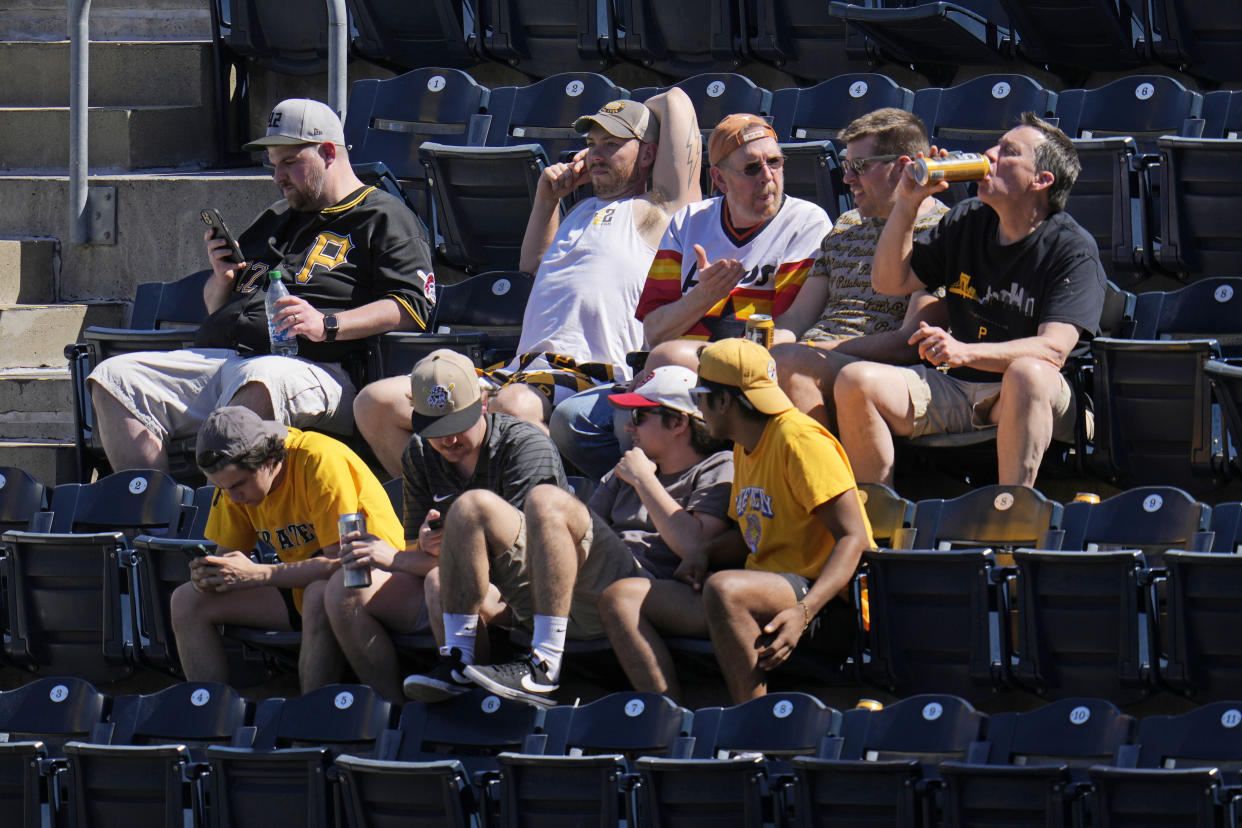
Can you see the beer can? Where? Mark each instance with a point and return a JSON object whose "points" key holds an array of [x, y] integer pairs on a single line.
{"points": [[346, 525], [958, 166], [869, 704], [760, 328], [1086, 497]]}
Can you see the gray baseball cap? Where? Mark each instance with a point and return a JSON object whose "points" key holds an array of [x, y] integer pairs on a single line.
{"points": [[230, 432], [300, 121]]}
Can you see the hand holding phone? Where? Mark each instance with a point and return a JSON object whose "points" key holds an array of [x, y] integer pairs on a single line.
{"points": [[212, 218], [436, 523]]}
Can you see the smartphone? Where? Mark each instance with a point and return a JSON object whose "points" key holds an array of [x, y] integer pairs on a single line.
{"points": [[219, 230], [197, 550], [436, 523]]}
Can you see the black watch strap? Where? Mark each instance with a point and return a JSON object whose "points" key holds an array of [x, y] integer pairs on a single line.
{"points": [[330, 327]]}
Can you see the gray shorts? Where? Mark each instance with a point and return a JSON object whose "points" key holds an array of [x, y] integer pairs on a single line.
{"points": [[833, 630], [172, 392], [947, 405], [606, 559]]}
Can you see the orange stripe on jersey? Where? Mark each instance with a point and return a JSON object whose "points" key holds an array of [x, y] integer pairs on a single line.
{"points": [[663, 285]]}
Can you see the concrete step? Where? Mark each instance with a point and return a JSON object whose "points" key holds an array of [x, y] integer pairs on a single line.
{"points": [[109, 20], [28, 270], [121, 138], [36, 335], [159, 235], [50, 461], [176, 73], [36, 404]]}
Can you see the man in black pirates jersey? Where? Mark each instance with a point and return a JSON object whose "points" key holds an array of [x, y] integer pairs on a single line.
{"points": [[356, 263], [1024, 288]]}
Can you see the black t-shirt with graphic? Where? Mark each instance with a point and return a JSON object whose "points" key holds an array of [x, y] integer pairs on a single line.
{"points": [[998, 293], [366, 247]]}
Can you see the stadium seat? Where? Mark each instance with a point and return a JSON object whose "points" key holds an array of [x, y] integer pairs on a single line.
{"points": [[282, 767], [884, 769], [405, 36], [1082, 626], [290, 38], [1208, 308], [778, 725], [678, 40], [1073, 37], [544, 112], [1225, 381], [935, 37], [22, 498], [378, 792], [165, 317], [388, 120], [482, 198], [931, 626], [891, 516], [1148, 518], [715, 95], [1002, 517], [1036, 768], [480, 317], [813, 173], [579, 776], [1153, 414], [23, 788], [544, 37], [1107, 200], [1222, 114], [134, 502], [159, 566], [1201, 179], [802, 39], [1201, 37], [1201, 625], [972, 116], [821, 111], [1142, 107], [1183, 765], [193, 713]]}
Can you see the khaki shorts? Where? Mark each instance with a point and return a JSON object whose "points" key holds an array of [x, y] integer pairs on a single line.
{"points": [[607, 559], [172, 392], [947, 405]]}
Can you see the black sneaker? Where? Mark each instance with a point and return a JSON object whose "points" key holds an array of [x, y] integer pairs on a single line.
{"points": [[523, 680], [443, 681]]}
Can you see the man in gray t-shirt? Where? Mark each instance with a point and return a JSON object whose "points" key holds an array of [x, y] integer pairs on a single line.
{"points": [[667, 496]]}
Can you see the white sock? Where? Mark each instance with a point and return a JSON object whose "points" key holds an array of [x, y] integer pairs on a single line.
{"points": [[548, 642], [459, 632]]}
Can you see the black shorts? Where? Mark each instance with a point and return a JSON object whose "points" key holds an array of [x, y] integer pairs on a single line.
{"points": [[295, 617], [833, 631]]}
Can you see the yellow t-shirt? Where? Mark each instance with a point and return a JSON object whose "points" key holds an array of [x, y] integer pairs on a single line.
{"points": [[323, 480], [797, 466]]}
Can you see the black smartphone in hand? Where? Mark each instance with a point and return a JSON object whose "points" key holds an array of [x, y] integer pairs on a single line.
{"points": [[212, 218], [197, 550], [436, 523]]}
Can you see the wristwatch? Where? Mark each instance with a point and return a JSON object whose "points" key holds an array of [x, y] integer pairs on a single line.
{"points": [[330, 327]]}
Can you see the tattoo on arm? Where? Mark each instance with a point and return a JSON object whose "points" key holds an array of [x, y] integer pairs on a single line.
{"points": [[693, 142]]}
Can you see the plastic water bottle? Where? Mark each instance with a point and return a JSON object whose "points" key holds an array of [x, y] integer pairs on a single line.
{"points": [[282, 343]]}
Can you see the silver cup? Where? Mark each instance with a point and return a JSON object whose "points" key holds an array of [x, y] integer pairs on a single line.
{"points": [[358, 576]]}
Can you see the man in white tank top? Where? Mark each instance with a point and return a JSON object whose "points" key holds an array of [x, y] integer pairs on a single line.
{"points": [[643, 163]]}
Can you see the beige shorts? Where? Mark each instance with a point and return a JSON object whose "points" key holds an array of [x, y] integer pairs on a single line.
{"points": [[172, 392], [947, 405], [606, 559]]}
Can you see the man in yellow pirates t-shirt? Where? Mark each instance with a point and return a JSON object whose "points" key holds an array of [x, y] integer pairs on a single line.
{"points": [[799, 533], [287, 488]]}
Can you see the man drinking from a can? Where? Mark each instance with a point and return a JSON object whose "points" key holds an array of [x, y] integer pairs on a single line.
{"points": [[283, 489]]}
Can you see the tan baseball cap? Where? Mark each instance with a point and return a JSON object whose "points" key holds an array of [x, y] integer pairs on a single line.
{"points": [[300, 121], [747, 366], [444, 389], [624, 119], [734, 131]]}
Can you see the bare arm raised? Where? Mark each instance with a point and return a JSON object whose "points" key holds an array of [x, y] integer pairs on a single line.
{"points": [[678, 165]]}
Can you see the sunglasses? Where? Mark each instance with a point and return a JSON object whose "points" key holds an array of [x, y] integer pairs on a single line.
{"points": [[859, 165], [638, 416], [754, 167]]}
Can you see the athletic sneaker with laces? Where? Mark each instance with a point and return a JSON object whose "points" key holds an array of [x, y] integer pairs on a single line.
{"points": [[443, 681], [523, 680]]}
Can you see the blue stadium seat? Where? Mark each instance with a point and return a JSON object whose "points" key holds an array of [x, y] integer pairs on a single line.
{"points": [[289, 37], [403, 35], [1148, 518], [972, 116], [1202, 181], [544, 37], [936, 37], [820, 112], [1201, 625], [1108, 201], [884, 769], [381, 792], [1225, 380], [715, 95], [1036, 768], [1071, 37], [678, 40], [1142, 107], [1083, 625], [803, 39], [1222, 114], [22, 499], [813, 173], [1153, 414], [544, 112], [1002, 517], [1201, 37], [1206, 308]]}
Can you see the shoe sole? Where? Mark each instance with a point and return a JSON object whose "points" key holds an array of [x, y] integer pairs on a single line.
{"points": [[513, 693], [430, 691]]}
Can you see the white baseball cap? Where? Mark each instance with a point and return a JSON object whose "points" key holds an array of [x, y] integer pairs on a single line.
{"points": [[668, 386]]}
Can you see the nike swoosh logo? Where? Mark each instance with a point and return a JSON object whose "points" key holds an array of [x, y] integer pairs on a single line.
{"points": [[533, 686], [440, 498]]}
